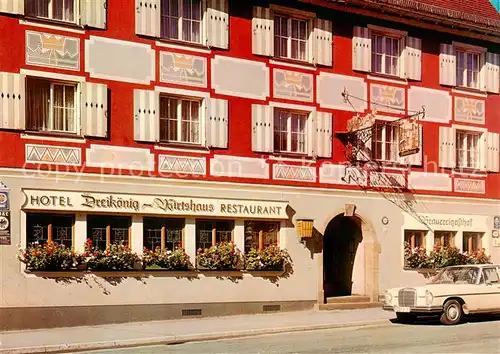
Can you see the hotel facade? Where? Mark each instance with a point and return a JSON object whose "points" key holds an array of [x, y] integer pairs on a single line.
{"points": [[192, 122]]}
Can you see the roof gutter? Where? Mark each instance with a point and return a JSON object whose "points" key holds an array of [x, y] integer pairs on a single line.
{"points": [[420, 15]]}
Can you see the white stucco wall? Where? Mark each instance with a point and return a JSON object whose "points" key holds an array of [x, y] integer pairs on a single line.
{"points": [[303, 284]]}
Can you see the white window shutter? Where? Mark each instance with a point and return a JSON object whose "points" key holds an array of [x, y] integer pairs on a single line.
{"points": [[12, 101], [262, 128], [93, 13], [12, 6], [324, 134], [413, 58], [217, 24], [493, 152], [146, 115], [94, 110], [263, 31], [492, 79], [447, 147], [217, 123], [365, 153], [323, 37], [417, 158], [447, 65], [361, 49], [147, 17], [311, 137]]}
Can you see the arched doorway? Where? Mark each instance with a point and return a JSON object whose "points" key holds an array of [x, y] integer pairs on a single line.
{"points": [[341, 240]]}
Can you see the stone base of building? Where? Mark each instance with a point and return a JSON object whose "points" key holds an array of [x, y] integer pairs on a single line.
{"points": [[20, 318]]}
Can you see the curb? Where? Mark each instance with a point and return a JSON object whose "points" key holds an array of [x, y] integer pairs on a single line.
{"points": [[181, 339]]}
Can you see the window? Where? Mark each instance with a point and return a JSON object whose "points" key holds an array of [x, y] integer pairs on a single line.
{"points": [[179, 120], [181, 20], [444, 239], [468, 67], [472, 241], [290, 37], [385, 55], [61, 10], [105, 230], [163, 233], [209, 233], [45, 228], [385, 142], [468, 151], [490, 275], [259, 235], [50, 106], [290, 131], [415, 238]]}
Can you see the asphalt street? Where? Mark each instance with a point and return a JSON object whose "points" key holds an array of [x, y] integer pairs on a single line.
{"points": [[426, 337]]}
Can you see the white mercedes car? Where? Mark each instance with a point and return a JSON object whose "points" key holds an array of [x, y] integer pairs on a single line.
{"points": [[451, 294]]}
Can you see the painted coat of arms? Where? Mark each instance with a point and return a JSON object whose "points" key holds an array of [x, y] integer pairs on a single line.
{"points": [[45, 49]]}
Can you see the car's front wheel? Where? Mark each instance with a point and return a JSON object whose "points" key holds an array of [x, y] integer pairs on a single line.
{"points": [[452, 312], [405, 317]]}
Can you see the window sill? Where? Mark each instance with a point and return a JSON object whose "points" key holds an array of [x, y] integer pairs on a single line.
{"points": [[291, 157], [469, 91], [54, 24], [195, 148], [471, 172], [53, 136], [184, 45], [387, 78], [158, 272], [299, 64]]}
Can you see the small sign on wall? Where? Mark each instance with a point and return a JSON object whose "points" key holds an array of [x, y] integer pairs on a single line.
{"points": [[495, 234], [4, 215], [4, 227], [496, 222]]}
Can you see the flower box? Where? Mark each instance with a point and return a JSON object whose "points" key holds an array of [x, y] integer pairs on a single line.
{"points": [[265, 273], [271, 258], [224, 256], [221, 273]]}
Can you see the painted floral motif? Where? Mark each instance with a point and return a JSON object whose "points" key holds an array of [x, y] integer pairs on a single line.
{"points": [[183, 69], [45, 49], [293, 85], [387, 98], [469, 110]]}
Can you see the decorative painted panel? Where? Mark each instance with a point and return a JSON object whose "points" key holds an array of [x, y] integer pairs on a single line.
{"points": [[120, 157], [46, 49], [387, 98], [113, 59], [241, 167], [429, 181], [339, 174], [476, 186], [240, 78], [294, 173], [183, 164], [331, 86], [383, 179], [293, 85], [53, 155], [437, 103], [469, 110], [183, 69]]}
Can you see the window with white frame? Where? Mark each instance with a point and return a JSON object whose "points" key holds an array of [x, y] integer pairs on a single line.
{"points": [[51, 105], [181, 20], [290, 131], [385, 54], [180, 120], [290, 37], [385, 141], [415, 238], [61, 10], [468, 149], [468, 68]]}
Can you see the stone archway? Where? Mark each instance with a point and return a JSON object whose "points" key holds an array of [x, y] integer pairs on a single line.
{"points": [[350, 244]]}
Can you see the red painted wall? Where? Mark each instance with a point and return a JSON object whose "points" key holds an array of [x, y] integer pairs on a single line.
{"points": [[121, 25]]}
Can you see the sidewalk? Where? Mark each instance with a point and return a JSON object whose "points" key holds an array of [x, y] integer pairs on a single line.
{"points": [[174, 331]]}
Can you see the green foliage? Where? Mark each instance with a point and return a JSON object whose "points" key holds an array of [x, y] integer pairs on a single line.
{"points": [[222, 256], [166, 259], [49, 257], [115, 258], [270, 258], [441, 257]]}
